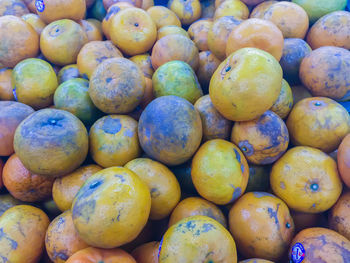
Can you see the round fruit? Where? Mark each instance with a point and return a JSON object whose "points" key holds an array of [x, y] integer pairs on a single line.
{"points": [[52, 10], [34, 83], [320, 244], [23, 230], [162, 183], [176, 78], [108, 3], [318, 122], [215, 126], [324, 72], [344, 160], [163, 16], [148, 95], [7, 201], [299, 93], [339, 216], [61, 41], [117, 86], [94, 255], [11, 115], [35, 21], [263, 140], [306, 179], [284, 103], [198, 33], [51, 142], [62, 240], [220, 171], [194, 206], [208, 63], [133, 31], [145, 64], [19, 41], [170, 130], [67, 73], [259, 178], [92, 32], [260, 9], [1, 169], [261, 225], [22, 184], [146, 253], [257, 33], [30, 5], [13, 7], [65, 188], [6, 84], [240, 96], [195, 239], [174, 47], [171, 30], [111, 208], [233, 8], [187, 11], [332, 29]]}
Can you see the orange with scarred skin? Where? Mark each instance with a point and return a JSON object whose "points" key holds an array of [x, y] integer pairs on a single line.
{"points": [[343, 158], [260, 9], [187, 11], [146, 4], [35, 21], [208, 63], [13, 8], [97, 255], [339, 216], [146, 253], [6, 84], [163, 16], [171, 30], [145, 64], [198, 33], [93, 33], [284, 103], [108, 3], [233, 8]]}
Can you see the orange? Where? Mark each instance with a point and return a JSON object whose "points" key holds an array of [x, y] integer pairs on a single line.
{"points": [[215, 126], [236, 93], [34, 83], [93, 33], [306, 179], [321, 244], [195, 239], [51, 142], [290, 18], [208, 9], [261, 225], [1, 170], [22, 184], [193, 206], [263, 140], [19, 41], [175, 47], [344, 160], [146, 235], [11, 115], [318, 122], [168, 139], [62, 240], [23, 230], [35, 21], [284, 104], [198, 33], [97, 23], [13, 7], [260, 9], [162, 183], [187, 11], [7, 201], [233, 8], [30, 5], [117, 86], [299, 93], [146, 253], [339, 216], [93, 54], [332, 29], [53, 10], [256, 33], [108, 3], [220, 171], [6, 84], [113, 140], [208, 63], [68, 72], [305, 220], [219, 33], [97, 255], [65, 188], [148, 95], [169, 30], [111, 208], [163, 16], [145, 64], [146, 4], [325, 72], [133, 31]]}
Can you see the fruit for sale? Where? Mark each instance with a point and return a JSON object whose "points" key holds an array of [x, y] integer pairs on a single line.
{"points": [[187, 11], [35, 21], [68, 72], [208, 63], [171, 30], [233, 8], [92, 32], [260, 9], [284, 104], [13, 7], [343, 159], [163, 16], [6, 84], [145, 64], [7, 201], [198, 33], [146, 253], [339, 216], [93, 255]]}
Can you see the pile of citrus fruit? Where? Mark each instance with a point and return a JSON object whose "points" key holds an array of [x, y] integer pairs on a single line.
{"points": [[192, 131]]}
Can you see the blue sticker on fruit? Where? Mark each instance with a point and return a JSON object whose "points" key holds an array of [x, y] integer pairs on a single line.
{"points": [[14, 93], [160, 247], [40, 6], [298, 253]]}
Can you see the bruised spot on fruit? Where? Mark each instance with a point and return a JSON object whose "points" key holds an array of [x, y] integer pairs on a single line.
{"points": [[112, 11], [60, 255], [122, 179], [129, 133], [3, 236], [84, 210], [55, 31], [11, 9], [246, 147], [273, 214], [282, 185], [236, 193], [155, 193], [262, 194], [111, 126], [207, 227], [238, 156]]}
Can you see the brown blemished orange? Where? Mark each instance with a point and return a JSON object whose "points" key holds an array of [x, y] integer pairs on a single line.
{"points": [[234, 8], [13, 7], [163, 16], [171, 30], [261, 225], [145, 64], [198, 33], [187, 11], [6, 84], [146, 253], [343, 158], [208, 63], [339, 217], [257, 33], [35, 21], [95, 255], [148, 96], [284, 104], [93, 33], [260, 9], [108, 3]]}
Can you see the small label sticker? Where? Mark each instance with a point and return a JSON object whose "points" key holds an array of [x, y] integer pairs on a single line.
{"points": [[14, 93], [298, 253], [40, 6]]}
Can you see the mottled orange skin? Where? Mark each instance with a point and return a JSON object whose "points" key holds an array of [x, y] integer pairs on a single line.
{"points": [[332, 29], [306, 179], [146, 4], [171, 30], [343, 158], [233, 8], [290, 18], [145, 64], [96, 255], [208, 63], [30, 5], [35, 21], [198, 33], [68, 72], [23, 231], [257, 33], [62, 9], [208, 9], [193, 206], [318, 122], [61, 41], [260, 9], [175, 47], [19, 41], [305, 220], [163, 16], [261, 225], [300, 92], [62, 240], [146, 253], [7, 201], [215, 126], [93, 33], [22, 184], [339, 217], [284, 104], [11, 115], [93, 54], [51, 142], [219, 33], [64, 189], [6, 84], [108, 3], [262, 140], [325, 72], [148, 96], [187, 11], [117, 86], [322, 245], [13, 8]]}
